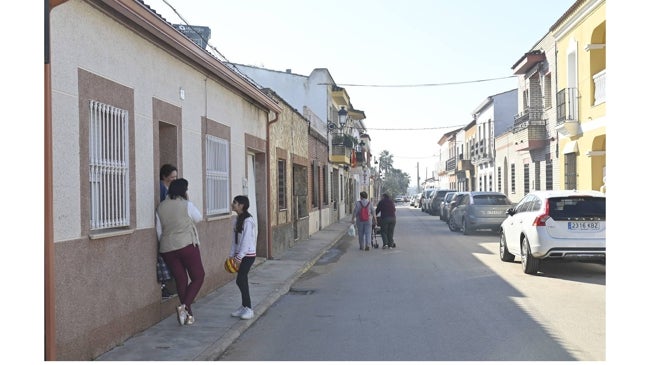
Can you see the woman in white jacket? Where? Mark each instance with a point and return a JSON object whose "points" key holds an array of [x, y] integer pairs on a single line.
{"points": [[243, 249]]}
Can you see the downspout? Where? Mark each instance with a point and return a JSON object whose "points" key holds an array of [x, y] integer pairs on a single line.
{"points": [[50, 329], [269, 231]]}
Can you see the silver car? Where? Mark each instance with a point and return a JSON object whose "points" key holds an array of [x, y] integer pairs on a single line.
{"points": [[555, 225], [479, 210]]}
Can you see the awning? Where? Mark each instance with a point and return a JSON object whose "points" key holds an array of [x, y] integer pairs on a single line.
{"points": [[571, 147]]}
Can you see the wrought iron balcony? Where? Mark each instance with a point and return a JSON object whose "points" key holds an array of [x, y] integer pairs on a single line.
{"points": [[450, 164], [526, 117], [567, 111], [341, 154]]}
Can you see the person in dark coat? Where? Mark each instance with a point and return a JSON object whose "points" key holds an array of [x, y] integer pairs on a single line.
{"points": [[386, 209]]}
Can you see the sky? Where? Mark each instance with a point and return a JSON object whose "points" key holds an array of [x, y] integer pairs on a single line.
{"points": [[418, 69]]}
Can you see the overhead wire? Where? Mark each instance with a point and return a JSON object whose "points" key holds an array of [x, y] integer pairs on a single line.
{"points": [[234, 67]]}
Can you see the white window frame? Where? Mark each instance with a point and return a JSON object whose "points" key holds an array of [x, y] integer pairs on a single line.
{"points": [[217, 173]]}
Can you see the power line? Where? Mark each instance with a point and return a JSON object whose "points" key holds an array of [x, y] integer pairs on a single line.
{"points": [[415, 129], [430, 84]]}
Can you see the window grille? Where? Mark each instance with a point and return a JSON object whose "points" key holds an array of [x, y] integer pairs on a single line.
{"points": [[526, 178], [282, 184], [512, 178], [314, 184], [499, 179], [217, 188], [570, 171], [549, 174], [325, 176], [109, 166]]}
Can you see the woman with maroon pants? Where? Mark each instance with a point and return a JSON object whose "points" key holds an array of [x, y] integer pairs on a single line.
{"points": [[179, 246]]}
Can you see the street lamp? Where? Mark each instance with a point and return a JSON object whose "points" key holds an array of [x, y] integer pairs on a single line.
{"points": [[343, 117]]}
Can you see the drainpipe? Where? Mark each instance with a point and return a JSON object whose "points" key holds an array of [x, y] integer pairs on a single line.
{"points": [[269, 232], [50, 330]]}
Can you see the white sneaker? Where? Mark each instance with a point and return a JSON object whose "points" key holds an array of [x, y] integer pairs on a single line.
{"points": [[181, 314], [190, 320], [238, 312], [247, 313]]}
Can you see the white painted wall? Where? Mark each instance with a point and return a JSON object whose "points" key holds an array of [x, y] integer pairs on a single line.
{"points": [[151, 72]]}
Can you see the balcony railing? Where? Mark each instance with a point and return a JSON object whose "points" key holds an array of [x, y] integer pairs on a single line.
{"points": [[450, 164], [600, 80], [567, 105], [525, 118]]}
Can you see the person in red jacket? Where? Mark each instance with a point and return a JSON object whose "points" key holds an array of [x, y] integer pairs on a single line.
{"points": [[386, 207]]}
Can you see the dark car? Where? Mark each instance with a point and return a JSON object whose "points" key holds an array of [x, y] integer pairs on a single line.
{"points": [[436, 199], [445, 205], [479, 210]]}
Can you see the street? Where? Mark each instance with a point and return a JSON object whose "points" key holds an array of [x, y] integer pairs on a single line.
{"points": [[438, 296]]}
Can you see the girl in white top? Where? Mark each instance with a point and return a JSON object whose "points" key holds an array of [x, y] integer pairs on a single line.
{"points": [[243, 249]]}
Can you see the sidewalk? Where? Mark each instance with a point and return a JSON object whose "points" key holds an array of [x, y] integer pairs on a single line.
{"points": [[215, 329]]}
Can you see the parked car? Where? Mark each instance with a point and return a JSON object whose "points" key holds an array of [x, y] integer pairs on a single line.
{"points": [[436, 199], [479, 210], [415, 200], [444, 205], [423, 199], [555, 224]]}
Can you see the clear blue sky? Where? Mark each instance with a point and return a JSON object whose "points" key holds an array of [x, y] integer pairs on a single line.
{"points": [[381, 42]]}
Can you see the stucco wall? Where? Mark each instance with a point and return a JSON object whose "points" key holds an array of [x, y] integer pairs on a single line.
{"points": [[106, 288]]}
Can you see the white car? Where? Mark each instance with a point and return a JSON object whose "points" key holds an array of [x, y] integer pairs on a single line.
{"points": [[555, 224]]}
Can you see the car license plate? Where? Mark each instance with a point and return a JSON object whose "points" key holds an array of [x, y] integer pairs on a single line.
{"points": [[584, 226]]}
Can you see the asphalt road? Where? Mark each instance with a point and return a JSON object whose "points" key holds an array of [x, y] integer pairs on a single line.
{"points": [[438, 296]]}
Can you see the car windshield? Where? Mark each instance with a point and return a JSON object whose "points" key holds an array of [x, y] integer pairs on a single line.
{"points": [[491, 200], [567, 208]]}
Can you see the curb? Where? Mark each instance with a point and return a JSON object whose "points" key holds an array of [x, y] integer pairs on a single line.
{"points": [[213, 353]]}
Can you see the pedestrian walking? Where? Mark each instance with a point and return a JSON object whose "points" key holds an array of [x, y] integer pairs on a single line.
{"points": [[179, 246], [364, 215], [386, 208], [243, 249]]}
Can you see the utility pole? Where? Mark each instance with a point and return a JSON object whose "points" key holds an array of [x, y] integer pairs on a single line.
{"points": [[418, 177]]}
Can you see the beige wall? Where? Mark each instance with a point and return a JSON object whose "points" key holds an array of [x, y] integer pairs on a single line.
{"points": [[106, 288]]}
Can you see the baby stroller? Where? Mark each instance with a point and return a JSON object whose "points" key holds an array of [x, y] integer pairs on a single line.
{"points": [[376, 230]]}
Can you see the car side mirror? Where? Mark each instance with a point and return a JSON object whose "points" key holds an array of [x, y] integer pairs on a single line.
{"points": [[510, 211]]}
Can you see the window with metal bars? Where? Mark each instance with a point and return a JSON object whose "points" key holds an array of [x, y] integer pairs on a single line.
{"points": [[499, 182], [282, 184], [537, 176], [217, 172], [570, 171], [109, 166], [526, 178], [314, 184], [549, 175], [512, 178], [325, 176]]}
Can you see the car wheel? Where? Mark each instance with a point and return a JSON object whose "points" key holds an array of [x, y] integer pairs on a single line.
{"points": [[452, 225], [466, 229], [503, 250], [529, 263]]}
